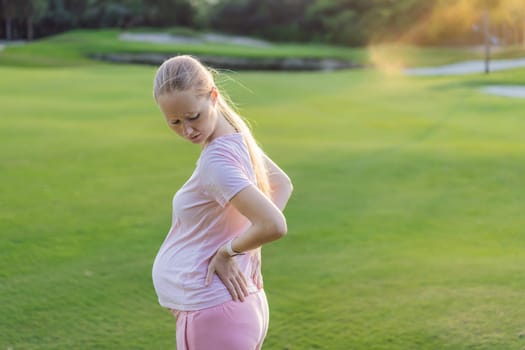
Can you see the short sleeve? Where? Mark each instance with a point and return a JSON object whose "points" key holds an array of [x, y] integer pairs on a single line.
{"points": [[224, 174]]}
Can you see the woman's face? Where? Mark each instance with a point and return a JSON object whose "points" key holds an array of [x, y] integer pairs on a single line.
{"points": [[191, 117]]}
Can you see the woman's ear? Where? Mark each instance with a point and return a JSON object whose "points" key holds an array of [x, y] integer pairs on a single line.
{"points": [[213, 95]]}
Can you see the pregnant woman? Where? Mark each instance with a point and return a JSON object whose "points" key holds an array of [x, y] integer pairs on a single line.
{"points": [[208, 269]]}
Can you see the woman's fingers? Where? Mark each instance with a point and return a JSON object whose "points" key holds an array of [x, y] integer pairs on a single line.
{"points": [[230, 285], [243, 285], [229, 273], [238, 288], [258, 281], [209, 274], [256, 269]]}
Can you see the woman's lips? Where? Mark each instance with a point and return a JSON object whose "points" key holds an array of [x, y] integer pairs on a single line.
{"points": [[194, 137]]}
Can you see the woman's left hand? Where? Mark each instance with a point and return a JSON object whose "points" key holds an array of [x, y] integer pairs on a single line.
{"points": [[228, 271], [256, 274]]}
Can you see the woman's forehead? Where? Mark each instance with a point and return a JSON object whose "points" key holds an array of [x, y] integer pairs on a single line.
{"points": [[180, 103]]}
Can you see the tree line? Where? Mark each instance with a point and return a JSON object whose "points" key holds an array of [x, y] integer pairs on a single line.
{"points": [[343, 22]]}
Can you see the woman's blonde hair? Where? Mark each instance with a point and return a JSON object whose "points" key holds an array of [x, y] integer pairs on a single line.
{"points": [[183, 73]]}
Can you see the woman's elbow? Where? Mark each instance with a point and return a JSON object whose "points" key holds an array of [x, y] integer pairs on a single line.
{"points": [[287, 183], [274, 227], [286, 187], [279, 228], [290, 187], [281, 231]]}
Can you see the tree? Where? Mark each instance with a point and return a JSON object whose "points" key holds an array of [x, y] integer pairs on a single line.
{"points": [[272, 19], [32, 10], [350, 22], [9, 9], [170, 12], [58, 17]]}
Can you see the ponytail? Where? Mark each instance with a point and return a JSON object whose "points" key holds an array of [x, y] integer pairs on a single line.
{"points": [[256, 154]]}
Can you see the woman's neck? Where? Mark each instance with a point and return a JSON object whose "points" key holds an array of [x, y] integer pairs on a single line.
{"points": [[222, 128]]}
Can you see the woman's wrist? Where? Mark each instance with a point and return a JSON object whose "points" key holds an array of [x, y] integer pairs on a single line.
{"points": [[229, 249]]}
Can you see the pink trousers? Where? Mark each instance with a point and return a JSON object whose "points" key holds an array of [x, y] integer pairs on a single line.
{"points": [[233, 325]]}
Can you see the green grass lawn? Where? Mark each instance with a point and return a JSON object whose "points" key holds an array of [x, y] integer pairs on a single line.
{"points": [[406, 227]]}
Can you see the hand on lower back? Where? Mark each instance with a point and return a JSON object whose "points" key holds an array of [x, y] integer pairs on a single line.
{"points": [[256, 274], [228, 271]]}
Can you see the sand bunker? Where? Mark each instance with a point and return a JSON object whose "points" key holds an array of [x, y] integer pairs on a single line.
{"points": [[163, 38], [516, 91]]}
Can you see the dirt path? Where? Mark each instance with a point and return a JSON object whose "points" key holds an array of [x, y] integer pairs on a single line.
{"points": [[467, 67], [477, 67]]}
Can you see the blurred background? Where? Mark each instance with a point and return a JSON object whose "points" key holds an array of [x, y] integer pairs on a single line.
{"points": [[342, 22]]}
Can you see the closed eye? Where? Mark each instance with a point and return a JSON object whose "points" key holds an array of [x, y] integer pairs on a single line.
{"points": [[195, 117], [175, 122]]}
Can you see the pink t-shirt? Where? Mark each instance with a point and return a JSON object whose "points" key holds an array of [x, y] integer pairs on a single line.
{"points": [[204, 220]]}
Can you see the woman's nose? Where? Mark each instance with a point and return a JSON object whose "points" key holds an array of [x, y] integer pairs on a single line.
{"points": [[188, 130]]}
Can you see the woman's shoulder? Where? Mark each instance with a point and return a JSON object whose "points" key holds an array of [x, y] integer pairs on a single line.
{"points": [[225, 140], [225, 146]]}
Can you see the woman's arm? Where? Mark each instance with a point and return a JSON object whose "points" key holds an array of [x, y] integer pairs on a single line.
{"points": [[280, 184], [268, 224]]}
